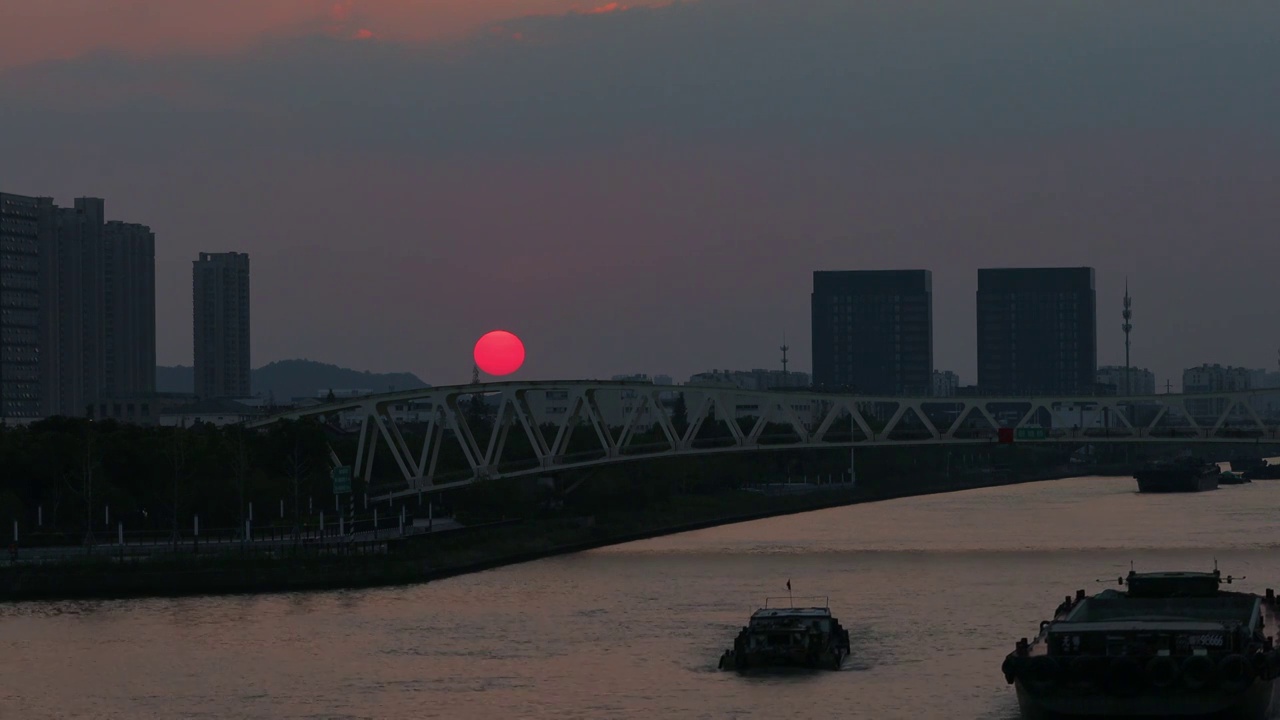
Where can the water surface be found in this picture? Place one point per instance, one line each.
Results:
(934, 590)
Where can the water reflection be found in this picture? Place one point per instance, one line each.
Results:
(934, 591)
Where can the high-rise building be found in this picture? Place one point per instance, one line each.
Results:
(873, 331)
(87, 289)
(128, 310)
(1037, 331)
(20, 386)
(73, 328)
(221, 319)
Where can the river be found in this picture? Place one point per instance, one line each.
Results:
(935, 590)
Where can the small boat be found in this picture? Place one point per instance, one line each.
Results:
(795, 636)
(1231, 477)
(1188, 474)
(1245, 464)
(1265, 471)
(1174, 645)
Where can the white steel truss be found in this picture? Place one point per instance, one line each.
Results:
(630, 420)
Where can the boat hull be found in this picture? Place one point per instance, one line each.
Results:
(1266, 472)
(1256, 702)
(831, 660)
(1169, 482)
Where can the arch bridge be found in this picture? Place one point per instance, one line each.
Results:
(444, 437)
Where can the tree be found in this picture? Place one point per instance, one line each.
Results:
(680, 414)
(240, 468)
(298, 469)
(87, 487)
(477, 413)
(178, 453)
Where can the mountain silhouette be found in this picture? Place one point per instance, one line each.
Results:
(287, 379)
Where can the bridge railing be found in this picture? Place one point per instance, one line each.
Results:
(449, 436)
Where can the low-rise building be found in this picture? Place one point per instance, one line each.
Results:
(945, 383)
(1213, 379)
(217, 412)
(756, 379)
(1140, 381)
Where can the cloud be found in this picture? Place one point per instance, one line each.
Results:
(722, 147)
(694, 71)
(341, 11)
(607, 8)
(60, 29)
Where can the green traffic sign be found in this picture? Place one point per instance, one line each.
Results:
(341, 480)
(1030, 433)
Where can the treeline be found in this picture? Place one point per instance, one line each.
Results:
(62, 477)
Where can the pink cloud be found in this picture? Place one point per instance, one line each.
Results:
(50, 29)
(341, 11)
(607, 8)
(363, 34)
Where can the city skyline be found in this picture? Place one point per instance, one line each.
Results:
(233, 381)
(637, 223)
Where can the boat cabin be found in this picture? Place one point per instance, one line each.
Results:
(783, 626)
(1169, 613)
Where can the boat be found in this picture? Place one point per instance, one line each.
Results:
(1245, 464)
(1173, 645)
(795, 636)
(1188, 474)
(1265, 471)
(1232, 478)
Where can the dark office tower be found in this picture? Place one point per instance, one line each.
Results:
(1037, 331)
(221, 309)
(20, 326)
(873, 331)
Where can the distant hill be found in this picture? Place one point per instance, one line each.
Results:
(176, 379)
(286, 379)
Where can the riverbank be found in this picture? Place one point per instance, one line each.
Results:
(437, 556)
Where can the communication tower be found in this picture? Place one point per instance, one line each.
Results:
(785, 347)
(1127, 314)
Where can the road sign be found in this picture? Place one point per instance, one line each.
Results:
(341, 479)
(1030, 433)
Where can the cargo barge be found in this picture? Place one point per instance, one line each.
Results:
(1188, 474)
(1174, 645)
(786, 636)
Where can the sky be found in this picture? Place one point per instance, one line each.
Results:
(649, 187)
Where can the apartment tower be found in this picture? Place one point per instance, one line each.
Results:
(221, 322)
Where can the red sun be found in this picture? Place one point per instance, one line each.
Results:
(499, 353)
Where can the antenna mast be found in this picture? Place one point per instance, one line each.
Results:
(1127, 314)
(785, 347)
